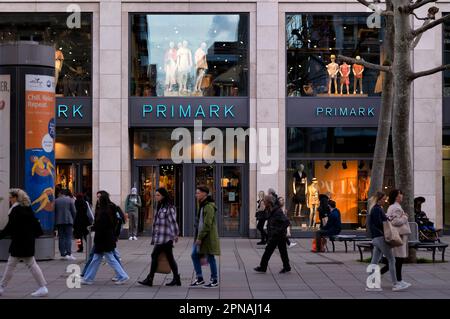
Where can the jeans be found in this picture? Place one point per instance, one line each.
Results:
(198, 266)
(65, 232)
(91, 256)
(380, 248)
(30, 262)
(398, 267)
(112, 262)
(273, 243)
(260, 227)
(167, 248)
(133, 218)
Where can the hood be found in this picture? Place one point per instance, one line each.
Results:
(134, 191)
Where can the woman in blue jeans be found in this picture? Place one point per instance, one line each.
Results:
(104, 242)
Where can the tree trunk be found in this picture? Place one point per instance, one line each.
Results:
(384, 121)
(401, 115)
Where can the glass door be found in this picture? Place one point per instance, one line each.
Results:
(147, 187)
(231, 200)
(170, 177)
(66, 176)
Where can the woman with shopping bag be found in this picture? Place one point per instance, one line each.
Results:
(165, 233)
(383, 238)
(400, 225)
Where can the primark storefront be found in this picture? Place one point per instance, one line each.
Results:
(134, 78)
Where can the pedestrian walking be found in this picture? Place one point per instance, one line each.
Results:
(132, 205)
(105, 239)
(24, 228)
(277, 225)
(165, 233)
(83, 219)
(65, 214)
(380, 247)
(261, 218)
(117, 229)
(399, 219)
(206, 245)
(289, 243)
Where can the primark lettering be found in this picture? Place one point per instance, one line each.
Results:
(345, 111)
(188, 111)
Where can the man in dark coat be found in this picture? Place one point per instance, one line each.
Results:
(277, 225)
(333, 226)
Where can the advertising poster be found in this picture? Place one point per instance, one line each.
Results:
(5, 94)
(40, 146)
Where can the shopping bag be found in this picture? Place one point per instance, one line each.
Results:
(163, 264)
(391, 235)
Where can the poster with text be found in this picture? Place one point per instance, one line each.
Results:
(40, 146)
(5, 102)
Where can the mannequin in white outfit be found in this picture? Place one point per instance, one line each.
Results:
(170, 65)
(201, 65)
(184, 65)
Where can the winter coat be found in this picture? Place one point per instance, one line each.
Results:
(64, 210)
(24, 228)
(104, 227)
(208, 234)
(277, 224)
(81, 221)
(399, 219)
(333, 225)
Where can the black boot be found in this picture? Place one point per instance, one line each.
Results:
(176, 281)
(147, 281)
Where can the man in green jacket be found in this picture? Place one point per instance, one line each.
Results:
(206, 243)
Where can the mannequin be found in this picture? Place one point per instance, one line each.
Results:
(333, 70)
(344, 71)
(313, 200)
(184, 65)
(170, 63)
(201, 65)
(300, 187)
(358, 70)
(59, 59)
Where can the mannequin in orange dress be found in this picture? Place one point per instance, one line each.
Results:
(358, 70)
(344, 71)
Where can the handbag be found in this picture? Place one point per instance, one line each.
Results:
(391, 235)
(163, 264)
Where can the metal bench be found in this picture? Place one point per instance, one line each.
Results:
(348, 238)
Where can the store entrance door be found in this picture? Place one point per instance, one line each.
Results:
(225, 185)
(75, 176)
(152, 177)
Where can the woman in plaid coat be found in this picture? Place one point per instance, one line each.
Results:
(165, 233)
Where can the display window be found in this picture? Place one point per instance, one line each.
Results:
(73, 46)
(313, 43)
(189, 55)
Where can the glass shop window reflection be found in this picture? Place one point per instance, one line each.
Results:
(189, 55)
(73, 47)
(313, 43)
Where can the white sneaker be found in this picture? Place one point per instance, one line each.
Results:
(85, 282)
(41, 292)
(374, 289)
(134, 238)
(399, 286)
(407, 284)
(121, 282)
(2, 290)
(70, 257)
(131, 238)
(292, 244)
(115, 279)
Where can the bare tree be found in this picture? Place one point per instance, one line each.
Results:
(399, 72)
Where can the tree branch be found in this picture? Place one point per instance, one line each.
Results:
(430, 25)
(365, 3)
(416, 75)
(418, 4)
(417, 39)
(369, 65)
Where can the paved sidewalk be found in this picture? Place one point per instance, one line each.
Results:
(326, 275)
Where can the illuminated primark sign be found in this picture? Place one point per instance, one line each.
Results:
(188, 111)
(345, 111)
